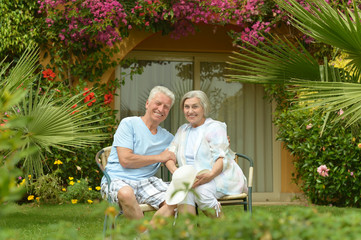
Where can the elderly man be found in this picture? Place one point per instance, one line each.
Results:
(138, 149)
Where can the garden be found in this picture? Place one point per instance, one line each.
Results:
(54, 117)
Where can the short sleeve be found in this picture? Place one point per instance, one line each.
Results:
(123, 137)
(216, 136)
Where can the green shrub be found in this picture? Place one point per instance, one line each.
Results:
(337, 149)
(296, 223)
(47, 188)
(79, 191)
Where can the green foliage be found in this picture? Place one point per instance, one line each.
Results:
(47, 188)
(304, 223)
(80, 191)
(278, 222)
(11, 141)
(79, 162)
(19, 27)
(337, 148)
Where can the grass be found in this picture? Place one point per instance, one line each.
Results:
(85, 221)
(35, 222)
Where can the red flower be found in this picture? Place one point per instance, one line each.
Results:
(49, 74)
(90, 99)
(74, 106)
(86, 92)
(91, 103)
(108, 98)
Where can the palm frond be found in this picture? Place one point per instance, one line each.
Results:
(341, 29)
(22, 74)
(274, 61)
(332, 96)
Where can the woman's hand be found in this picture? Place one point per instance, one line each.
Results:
(203, 178)
(171, 166)
(208, 176)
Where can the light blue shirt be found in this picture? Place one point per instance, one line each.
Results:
(132, 133)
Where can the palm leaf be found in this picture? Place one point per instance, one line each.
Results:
(53, 125)
(327, 25)
(274, 61)
(14, 80)
(22, 73)
(278, 61)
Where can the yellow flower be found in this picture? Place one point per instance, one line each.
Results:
(22, 182)
(78, 181)
(111, 211)
(31, 197)
(71, 178)
(71, 183)
(90, 189)
(29, 176)
(63, 189)
(58, 162)
(74, 201)
(98, 188)
(359, 145)
(37, 199)
(353, 139)
(90, 201)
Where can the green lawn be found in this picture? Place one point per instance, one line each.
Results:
(85, 221)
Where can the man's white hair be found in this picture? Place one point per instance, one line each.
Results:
(161, 89)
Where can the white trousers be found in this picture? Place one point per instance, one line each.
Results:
(207, 196)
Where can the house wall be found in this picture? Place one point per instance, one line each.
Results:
(287, 169)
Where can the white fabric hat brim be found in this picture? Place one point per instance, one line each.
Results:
(183, 176)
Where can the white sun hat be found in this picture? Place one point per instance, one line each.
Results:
(182, 181)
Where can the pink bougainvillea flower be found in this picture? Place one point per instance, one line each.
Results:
(49, 74)
(309, 126)
(323, 170)
(108, 98)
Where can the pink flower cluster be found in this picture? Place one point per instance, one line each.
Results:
(85, 21)
(198, 11)
(323, 170)
(90, 22)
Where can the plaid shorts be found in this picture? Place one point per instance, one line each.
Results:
(150, 191)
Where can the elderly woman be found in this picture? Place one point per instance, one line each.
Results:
(203, 143)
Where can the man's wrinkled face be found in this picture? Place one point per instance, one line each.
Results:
(158, 107)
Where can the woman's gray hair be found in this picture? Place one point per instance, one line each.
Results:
(161, 89)
(202, 98)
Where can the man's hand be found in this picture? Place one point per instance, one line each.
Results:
(167, 155)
